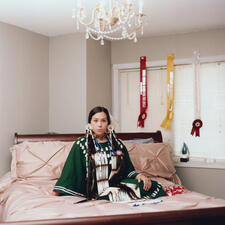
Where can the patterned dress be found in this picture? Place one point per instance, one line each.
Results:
(73, 178)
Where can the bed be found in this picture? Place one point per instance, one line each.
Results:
(37, 161)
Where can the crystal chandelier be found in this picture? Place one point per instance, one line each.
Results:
(118, 21)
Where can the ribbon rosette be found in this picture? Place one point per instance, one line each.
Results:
(141, 119)
(196, 125)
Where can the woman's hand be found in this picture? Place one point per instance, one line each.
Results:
(147, 182)
(55, 193)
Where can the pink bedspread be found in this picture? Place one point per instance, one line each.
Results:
(32, 200)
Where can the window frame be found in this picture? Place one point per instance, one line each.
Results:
(116, 68)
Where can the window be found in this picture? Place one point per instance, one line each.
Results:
(210, 146)
(211, 143)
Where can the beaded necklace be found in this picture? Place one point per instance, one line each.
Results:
(101, 162)
(99, 147)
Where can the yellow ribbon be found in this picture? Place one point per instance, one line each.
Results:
(170, 93)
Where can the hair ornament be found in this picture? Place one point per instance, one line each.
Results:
(89, 129)
(110, 128)
(110, 131)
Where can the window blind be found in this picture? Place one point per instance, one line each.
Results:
(211, 143)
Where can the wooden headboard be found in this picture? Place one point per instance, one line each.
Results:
(18, 138)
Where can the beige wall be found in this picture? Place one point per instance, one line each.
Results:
(206, 181)
(80, 78)
(23, 86)
(99, 82)
(67, 83)
(209, 43)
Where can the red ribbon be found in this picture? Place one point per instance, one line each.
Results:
(143, 92)
(196, 125)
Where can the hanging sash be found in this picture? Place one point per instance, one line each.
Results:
(170, 93)
(197, 123)
(143, 92)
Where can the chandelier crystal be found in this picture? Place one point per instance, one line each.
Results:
(118, 21)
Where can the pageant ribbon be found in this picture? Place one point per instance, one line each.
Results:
(197, 123)
(143, 92)
(170, 93)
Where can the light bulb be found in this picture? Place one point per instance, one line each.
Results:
(102, 42)
(87, 35)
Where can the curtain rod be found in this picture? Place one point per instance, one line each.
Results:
(165, 67)
(162, 63)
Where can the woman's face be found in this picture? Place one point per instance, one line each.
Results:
(99, 123)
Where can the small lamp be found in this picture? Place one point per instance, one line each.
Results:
(185, 153)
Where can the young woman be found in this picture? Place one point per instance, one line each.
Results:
(99, 167)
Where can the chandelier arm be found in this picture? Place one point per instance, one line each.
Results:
(129, 36)
(140, 23)
(114, 38)
(105, 32)
(110, 9)
(92, 18)
(120, 19)
(132, 35)
(116, 8)
(127, 18)
(95, 38)
(111, 13)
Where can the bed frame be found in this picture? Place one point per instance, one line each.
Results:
(18, 138)
(204, 216)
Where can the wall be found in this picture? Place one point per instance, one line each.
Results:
(23, 86)
(209, 43)
(79, 79)
(67, 83)
(206, 181)
(99, 85)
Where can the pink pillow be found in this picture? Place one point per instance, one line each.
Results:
(153, 159)
(39, 159)
(46, 159)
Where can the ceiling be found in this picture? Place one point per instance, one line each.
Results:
(163, 17)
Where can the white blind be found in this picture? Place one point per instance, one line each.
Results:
(211, 143)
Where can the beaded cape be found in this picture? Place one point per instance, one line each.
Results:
(73, 177)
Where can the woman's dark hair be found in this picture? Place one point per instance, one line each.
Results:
(99, 109)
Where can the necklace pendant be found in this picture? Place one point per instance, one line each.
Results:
(114, 162)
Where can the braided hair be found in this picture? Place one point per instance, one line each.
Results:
(91, 184)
